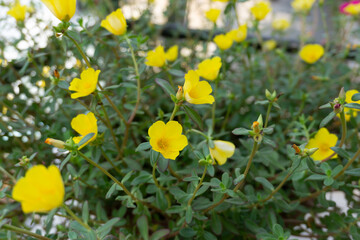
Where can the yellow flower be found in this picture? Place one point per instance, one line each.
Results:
(349, 112)
(222, 151)
(195, 91)
(18, 11)
(64, 10)
(86, 85)
(324, 141)
(46, 71)
(213, 14)
(269, 45)
(223, 41)
(84, 124)
(260, 10)
(239, 35)
(41, 84)
(115, 22)
(351, 8)
(41, 190)
(209, 68)
(310, 53)
(156, 58)
(280, 24)
(302, 5)
(167, 138)
(172, 53)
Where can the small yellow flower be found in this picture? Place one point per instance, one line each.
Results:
(222, 151)
(349, 112)
(18, 11)
(167, 139)
(351, 8)
(41, 84)
(64, 10)
(324, 141)
(172, 53)
(302, 5)
(209, 68)
(115, 22)
(156, 58)
(41, 190)
(213, 14)
(223, 41)
(46, 71)
(86, 85)
(269, 45)
(280, 24)
(239, 35)
(311, 53)
(260, 10)
(4, 110)
(195, 91)
(84, 124)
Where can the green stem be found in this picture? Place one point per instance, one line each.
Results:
(198, 186)
(214, 103)
(23, 231)
(72, 214)
(154, 174)
(110, 127)
(176, 108)
(3, 170)
(200, 133)
(268, 114)
(79, 49)
(109, 161)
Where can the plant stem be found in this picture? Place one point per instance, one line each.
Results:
(198, 186)
(79, 49)
(214, 103)
(268, 114)
(154, 176)
(174, 173)
(3, 170)
(109, 161)
(110, 127)
(176, 108)
(73, 215)
(23, 231)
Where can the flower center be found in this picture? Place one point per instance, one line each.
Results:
(87, 85)
(162, 144)
(324, 147)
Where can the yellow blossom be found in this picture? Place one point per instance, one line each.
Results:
(311, 53)
(302, 5)
(269, 45)
(115, 22)
(222, 151)
(41, 84)
(41, 190)
(260, 10)
(349, 112)
(167, 139)
(84, 124)
(213, 14)
(4, 110)
(351, 8)
(172, 53)
(156, 58)
(280, 24)
(223, 41)
(209, 68)
(64, 10)
(195, 91)
(46, 71)
(239, 35)
(18, 11)
(86, 84)
(324, 141)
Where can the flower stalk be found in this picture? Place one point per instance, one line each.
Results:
(23, 231)
(198, 186)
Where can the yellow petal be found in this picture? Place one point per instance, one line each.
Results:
(156, 130)
(62, 9)
(172, 53)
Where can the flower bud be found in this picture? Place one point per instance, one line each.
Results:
(180, 93)
(342, 95)
(56, 74)
(56, 143)
(338, 108)
(310, 151)
(297, 149)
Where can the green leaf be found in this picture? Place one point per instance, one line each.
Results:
(312, 167)
(143, 146)
(187, 232)
(163, 164)
(327, 105)
(142, 224)
(161, 200)
(111, 191)
(341, 152)
(328, 181)
(106, 228)
(194, 116)
(165, 85)
(160, 234)
(66, 160)
(327, 119)
(355, 97)
(188, 214)
(353, 172)
(85, 139)
(64, 85)
(216, 226)
(85, 212)
(353, 105)
(265, 183)
(241, 131)
(176, 73)
(316, 177)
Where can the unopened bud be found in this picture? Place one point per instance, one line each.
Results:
(258, 138)
(297, 149)
(56, 143)
(56, 74)
(310, 151)
(342, 95)
(180, 93)
(260, 120)
(337, 108)
(267, 94)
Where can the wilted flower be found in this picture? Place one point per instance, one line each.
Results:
(86, 85)
(209, 68)
(195, 91)
(115, 23)
(324, 141)
(167, 139)
(260, 10)
(41, 190)
(222, 151)
(280, 24)
(18, 11)
(238, 35)
(223, 41)
(302, 5)
(64, 10)
(172, 53)
(156, 58)
(84, 124)
(350, 8)
(311, 53)
(213, 14)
